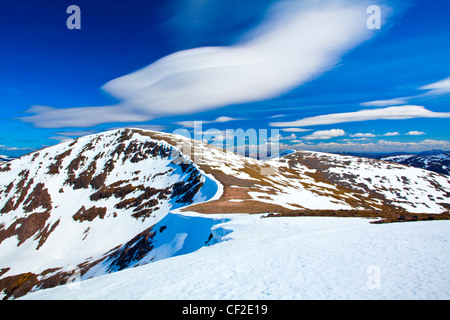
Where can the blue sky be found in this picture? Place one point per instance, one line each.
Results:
(311, 69)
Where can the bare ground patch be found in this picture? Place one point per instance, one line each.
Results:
(386, 217)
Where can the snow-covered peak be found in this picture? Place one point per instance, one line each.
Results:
(73, 203)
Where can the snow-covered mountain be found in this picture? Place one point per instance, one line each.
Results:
(437, 162)
(315, 180)
(110, 201)
(90, 201)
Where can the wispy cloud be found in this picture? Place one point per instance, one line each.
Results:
(295, 129)
(390, 113)
(433, 89)
(15, 148)
(297, 43)
(60, 138)
(75, 133)
(48, 117)
(439, 86)
(384, 103)
(192, 123)
(277, 116)
(289, 49)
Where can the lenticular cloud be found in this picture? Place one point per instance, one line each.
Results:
(282, 55)
(298, 43)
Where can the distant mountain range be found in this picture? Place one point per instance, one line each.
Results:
(4, 159)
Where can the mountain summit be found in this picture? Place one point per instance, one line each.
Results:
(77, 203)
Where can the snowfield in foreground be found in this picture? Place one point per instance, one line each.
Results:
(289, 258)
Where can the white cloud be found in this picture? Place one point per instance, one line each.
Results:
(278, 137)
(325, 134)
(193, 123)
(275, 138)
(433, 89)
(75, 133)
(363, 135)
(294, 130)
(391, 134)
(439, 87)
(225, 119)
(300, 41)
(390, 113)
(14, 148)
(188, 123)
(284, 53)
(48, 117)
(60, 138)
(355, 139)
(384, 103)
(292, 136)
(415, 133)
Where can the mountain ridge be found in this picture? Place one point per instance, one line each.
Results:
(437, 161)
(110, 201)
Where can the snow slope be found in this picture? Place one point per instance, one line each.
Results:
(374, 183)
(290, 258)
